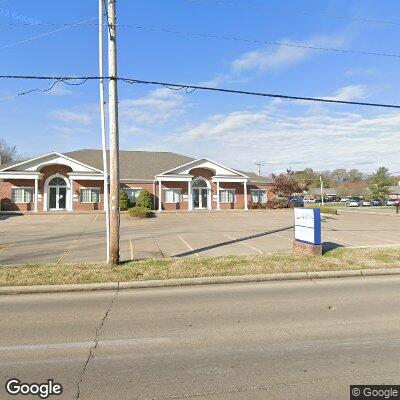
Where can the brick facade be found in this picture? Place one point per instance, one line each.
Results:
(77, 205)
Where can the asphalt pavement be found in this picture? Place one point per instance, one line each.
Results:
(276, 340)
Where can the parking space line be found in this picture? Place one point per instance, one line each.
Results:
(244, 244)
(188, 246)
(131, 247)
(6, 247)
(181, 216)
(76, 239)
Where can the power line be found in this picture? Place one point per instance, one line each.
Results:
(311, 14)
(223, 37)
(46, 33)
(190, 88)
(257, 41)
(57, 81)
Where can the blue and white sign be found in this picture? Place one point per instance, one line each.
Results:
(307, 225)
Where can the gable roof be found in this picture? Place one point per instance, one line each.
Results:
(133, 164)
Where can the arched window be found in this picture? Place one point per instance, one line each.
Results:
(199, 183)
(57, 181)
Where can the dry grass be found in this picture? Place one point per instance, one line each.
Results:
(338, 259)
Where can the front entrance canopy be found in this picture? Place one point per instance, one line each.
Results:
(199, 188)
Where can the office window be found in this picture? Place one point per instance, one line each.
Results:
(90, 195)
(22, 195)
(258, 196)
(172, 195)
(227, 196)
(133, 194)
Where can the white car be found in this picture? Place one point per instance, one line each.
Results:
(366, 203)
(390, 202)
(309, 200)
(354, 202)
(344, 199)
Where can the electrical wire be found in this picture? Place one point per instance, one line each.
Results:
(191, 88)
(257, 41)
(46, 34)
(221, 37)
(57, 81)
(311, 14)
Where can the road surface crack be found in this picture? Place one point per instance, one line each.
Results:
(95, 345)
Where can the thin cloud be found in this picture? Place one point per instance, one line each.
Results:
(271, 59)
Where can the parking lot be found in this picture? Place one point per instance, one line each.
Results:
(68, 238)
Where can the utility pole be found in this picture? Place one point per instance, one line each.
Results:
(114, 134)
(103, 128)
(322, 189)
(259, 165)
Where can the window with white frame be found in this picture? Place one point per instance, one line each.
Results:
(90, 195)
(22, 195)
(258, 195)
(133, 194)
(227, 196)
(172, 195)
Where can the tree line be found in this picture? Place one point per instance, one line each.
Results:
(347, 182)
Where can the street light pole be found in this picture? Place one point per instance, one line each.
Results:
(114, 134)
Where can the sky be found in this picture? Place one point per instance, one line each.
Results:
(236, 130)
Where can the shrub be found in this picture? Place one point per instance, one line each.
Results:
(281, 202)
(140, 212)
(124, 203)
(328, 210)
(271, 204)
(144, 200)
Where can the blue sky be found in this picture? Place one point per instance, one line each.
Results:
(236, 130)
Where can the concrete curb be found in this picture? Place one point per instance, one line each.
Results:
(12, 290)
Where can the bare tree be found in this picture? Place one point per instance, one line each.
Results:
(8, 153)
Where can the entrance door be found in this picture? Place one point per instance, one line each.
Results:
(57, 194)
(200, 198)
(196, 198)
(62, 197)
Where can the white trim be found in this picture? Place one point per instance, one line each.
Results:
(35, 195)
(205, 159)
(218, 202)
(226, 179)
(209, 193)
(23, 187)
(47, 155)
(174, 178)
(246, 207)
(21, 175)
(46, 189)
(173, 189)
(234, 195)
(89, 202)
(85, 177)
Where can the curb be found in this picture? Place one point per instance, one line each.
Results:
(13, 290)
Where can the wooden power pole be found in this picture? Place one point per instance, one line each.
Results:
(114, 134)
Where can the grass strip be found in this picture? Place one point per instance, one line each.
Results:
(334, 260)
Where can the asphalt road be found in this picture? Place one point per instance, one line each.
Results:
(282, 340)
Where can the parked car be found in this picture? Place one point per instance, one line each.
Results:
(344, 199)
(332, 199)
(309, 200)
(354, 202)
(366, 203)
(390, 202)
(377, 202)
(295, 201)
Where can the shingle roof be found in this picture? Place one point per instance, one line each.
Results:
(141, 164)
(133, 164)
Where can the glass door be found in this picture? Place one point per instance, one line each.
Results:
(53, 198)
(62, 195)
(196, 198)
(203, 198)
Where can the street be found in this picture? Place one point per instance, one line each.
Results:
(281, 340)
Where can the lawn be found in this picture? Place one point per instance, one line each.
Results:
(334, 260)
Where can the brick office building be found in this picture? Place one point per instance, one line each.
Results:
(74, 182)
